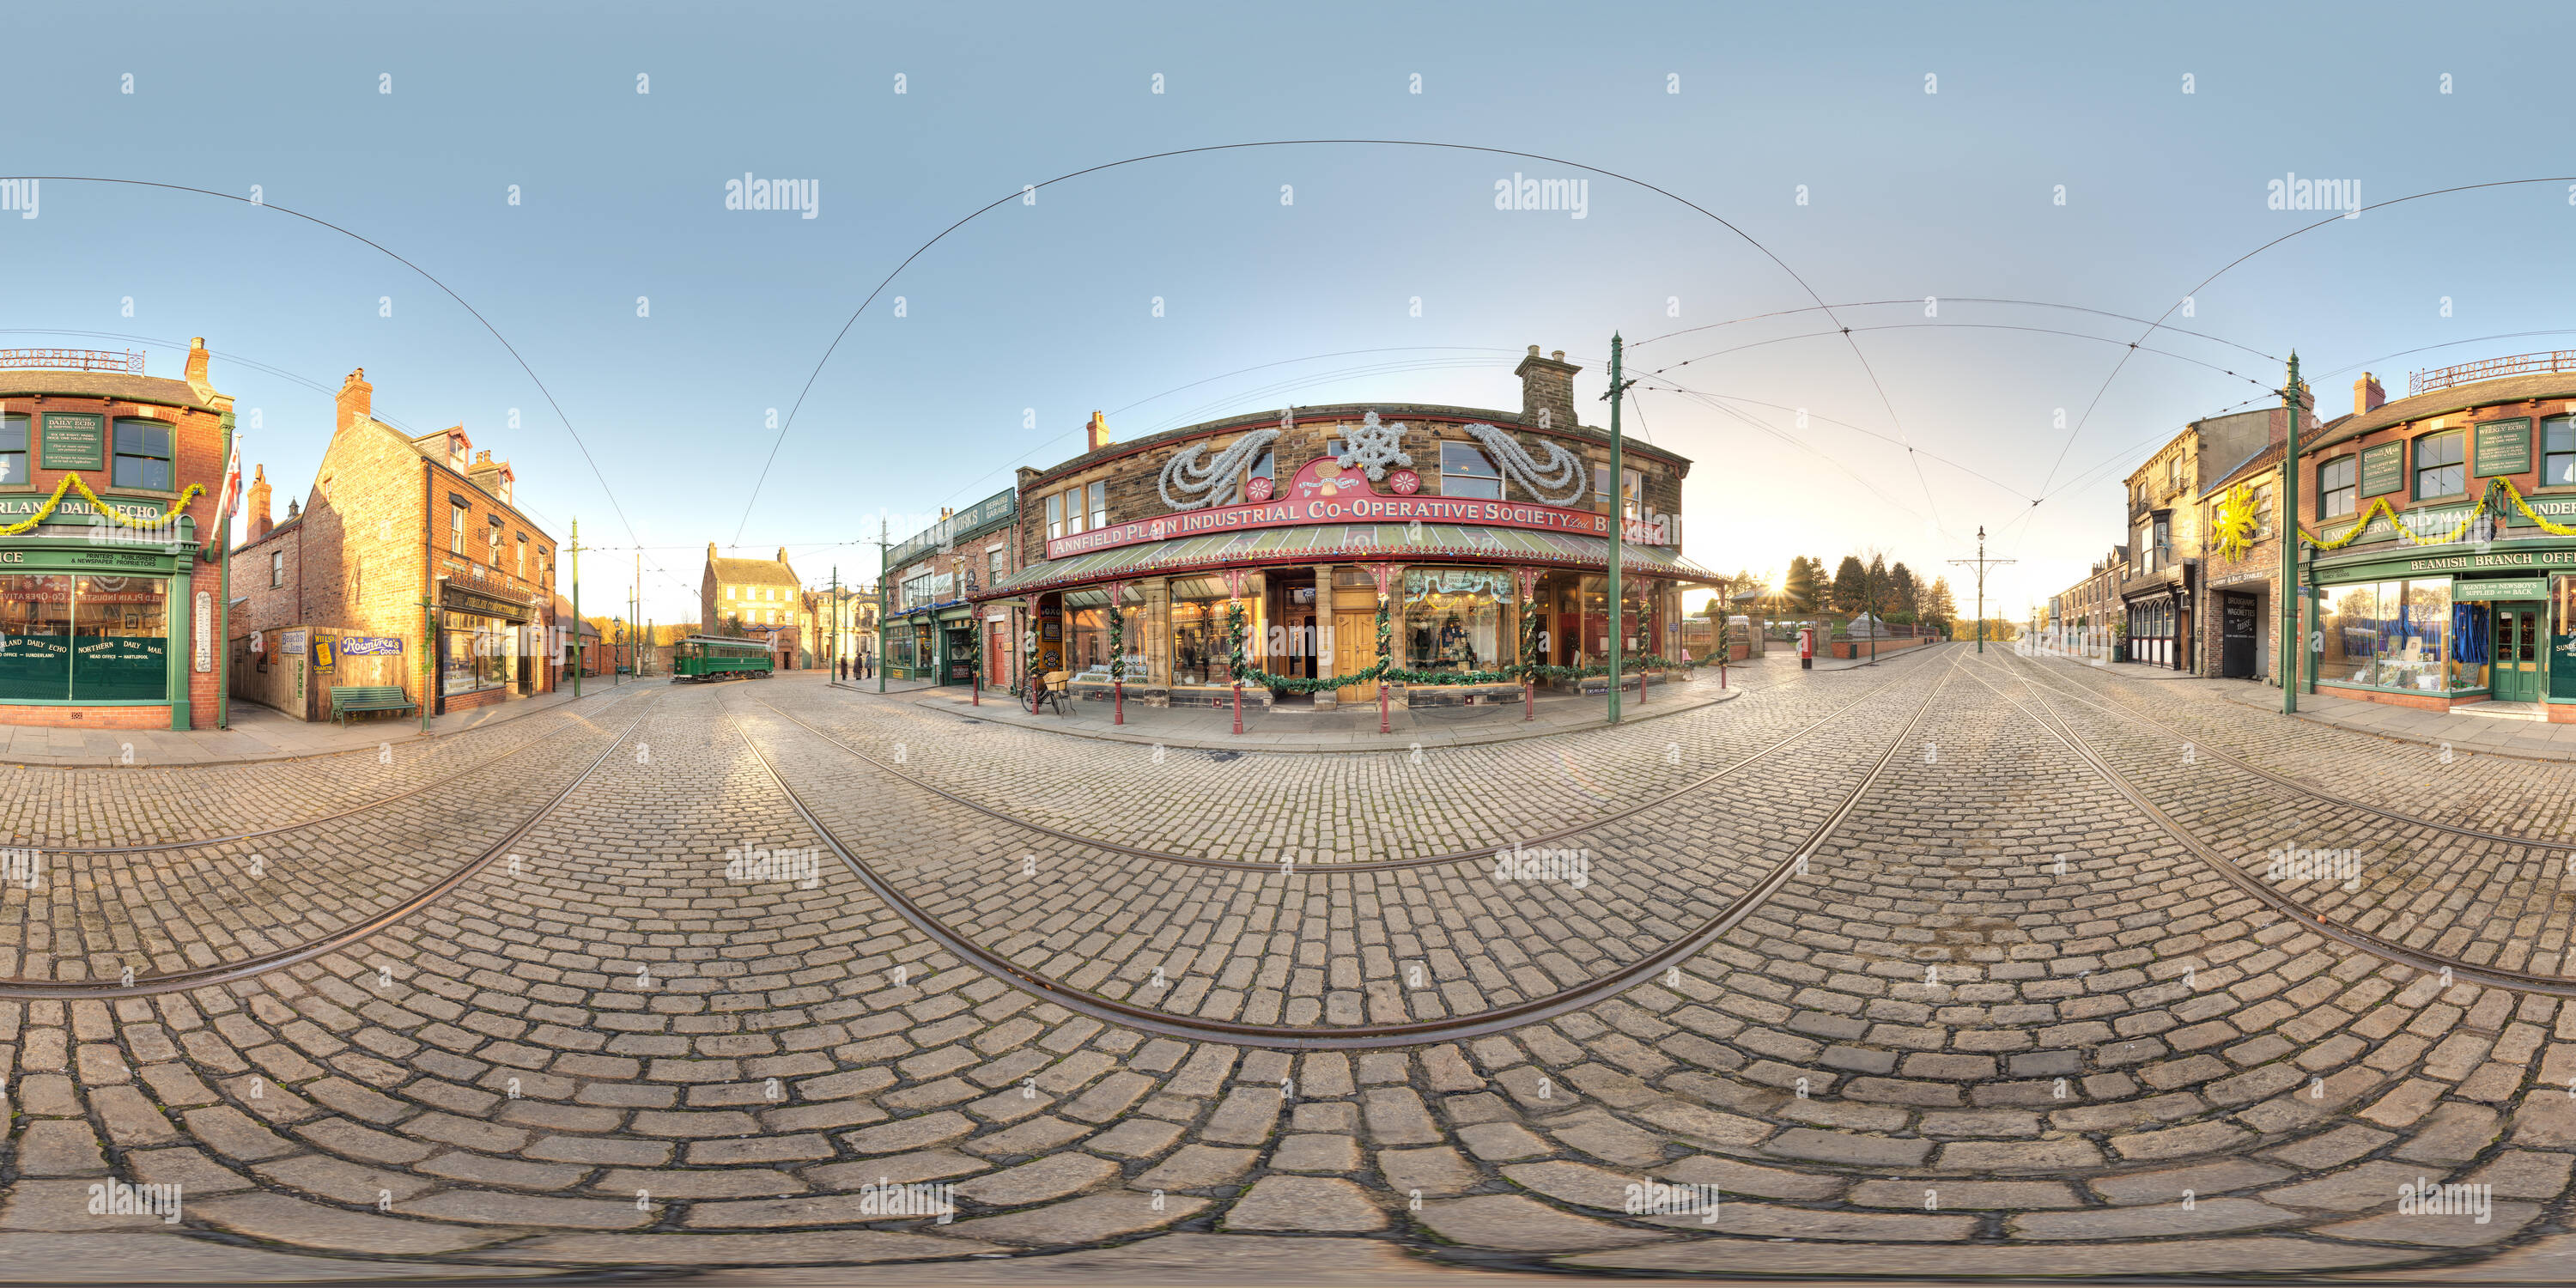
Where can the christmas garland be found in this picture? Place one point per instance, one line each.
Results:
(69, 481)
(2381, 507)
(1117, 638)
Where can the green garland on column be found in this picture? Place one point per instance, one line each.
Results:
(1234, 642)
(1117, 638)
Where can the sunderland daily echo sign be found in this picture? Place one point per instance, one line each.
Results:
(1324, 492)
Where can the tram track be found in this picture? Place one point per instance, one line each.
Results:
(1477, 1024)
(2289, 782)
(316, 820)
(146, 985)
(2045, 716)
(1479, 853)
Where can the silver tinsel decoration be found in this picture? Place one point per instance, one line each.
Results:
(1220, 482)
(1563, 470)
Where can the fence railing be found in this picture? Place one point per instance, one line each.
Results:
(2489, 368)
(129, 362)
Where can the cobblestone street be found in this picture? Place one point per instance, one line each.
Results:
(1962, 964)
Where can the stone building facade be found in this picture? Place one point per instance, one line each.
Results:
(410, 560)
(104, 625)
(1465, 518)
(759, 598)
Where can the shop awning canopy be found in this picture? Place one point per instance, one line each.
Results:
(1350, 543)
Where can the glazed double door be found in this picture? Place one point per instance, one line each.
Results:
(2514, 670)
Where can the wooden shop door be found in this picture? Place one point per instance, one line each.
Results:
(1355, 649)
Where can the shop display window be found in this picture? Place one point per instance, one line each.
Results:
(1453, 619)
(84, 639)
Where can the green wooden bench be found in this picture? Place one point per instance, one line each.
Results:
(350, 698)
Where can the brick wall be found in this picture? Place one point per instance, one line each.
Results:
(197, 457)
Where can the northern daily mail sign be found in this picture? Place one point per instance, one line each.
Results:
(1322, 493)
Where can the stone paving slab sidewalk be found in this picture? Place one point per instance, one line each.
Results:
(1355, 728)
(2526, 738)
(259, 733)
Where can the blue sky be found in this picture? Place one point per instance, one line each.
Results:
(1042, 313)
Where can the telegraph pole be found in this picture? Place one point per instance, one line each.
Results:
(1981, 562)
(1618, 526)
(577, 658)
(2296, 605)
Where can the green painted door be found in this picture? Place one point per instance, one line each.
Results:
(2515, 674)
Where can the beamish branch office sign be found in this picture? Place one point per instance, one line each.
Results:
(1323, 492)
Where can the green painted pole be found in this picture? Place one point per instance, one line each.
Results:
(577, 659)
(1618, 529)
(881, 605)
(428, 654)
(2294, 641)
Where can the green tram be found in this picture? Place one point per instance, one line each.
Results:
(716, 657)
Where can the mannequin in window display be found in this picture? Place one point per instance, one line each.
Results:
(1454, 648)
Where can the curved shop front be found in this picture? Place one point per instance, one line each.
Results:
(1463, 600)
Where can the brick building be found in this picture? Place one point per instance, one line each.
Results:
(840, 627)
(110, 620)
(410, 561)
(931, 626)
(1473, 517)
(2438, 581)
(759, 598)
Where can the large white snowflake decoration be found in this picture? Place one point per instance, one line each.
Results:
(1564, 470)
(1219, 480)
(1374, 447)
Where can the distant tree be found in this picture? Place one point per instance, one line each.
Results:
(1851, 585)
(1798, 588)
(1908, 594)
(1938, 606)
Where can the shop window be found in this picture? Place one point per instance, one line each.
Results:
(2557, 451)
(83, 639)
(2337, 486)
(477, 653)
(1627, 490)
(13, 451)
(2438, 468)
(142, 455)
(1453, 619)
(1464, 471)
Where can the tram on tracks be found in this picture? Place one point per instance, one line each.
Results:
(717, 657)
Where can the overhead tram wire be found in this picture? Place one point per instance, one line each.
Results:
(1960, 299)
(2230, 266)
(790, 421)
(486, 323)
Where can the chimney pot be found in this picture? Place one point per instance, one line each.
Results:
(1547, 390)
(356, 401)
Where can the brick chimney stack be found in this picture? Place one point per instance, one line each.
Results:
(197, 364)
(1098, 431)
(259, 502)
(1547, 390)
(2367, 395)
(357, 400)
